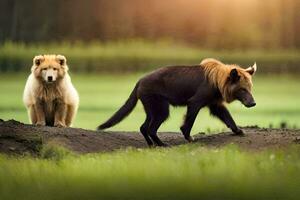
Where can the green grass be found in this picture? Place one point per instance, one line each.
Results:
(277, 100)
(140, 55)
(185, 172)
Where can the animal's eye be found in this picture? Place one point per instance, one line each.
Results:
(54, 69)
(243, 90)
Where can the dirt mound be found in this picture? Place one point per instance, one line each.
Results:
(19, 138)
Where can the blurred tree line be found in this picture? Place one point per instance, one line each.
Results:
(205, 23)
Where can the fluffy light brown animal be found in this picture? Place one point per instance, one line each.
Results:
(49, 94)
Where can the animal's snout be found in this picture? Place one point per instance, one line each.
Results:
(50, 78)
(251, 104)
(247, 99)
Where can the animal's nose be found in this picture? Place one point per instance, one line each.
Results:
(252, 104)
(50, 78)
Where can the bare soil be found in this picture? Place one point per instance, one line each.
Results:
(21, 139)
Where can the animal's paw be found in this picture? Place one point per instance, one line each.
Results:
(40, 123)
(238, 132)
(189, 138)
(163, 145)
(59, 124)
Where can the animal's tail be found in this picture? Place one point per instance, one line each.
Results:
(123, 112)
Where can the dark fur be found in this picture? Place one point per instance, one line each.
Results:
(178, 86)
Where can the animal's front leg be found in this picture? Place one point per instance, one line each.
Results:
(71, 112)
(32, 114)
(192, 112)
(220, 111)
(38, 110)
(60, 114)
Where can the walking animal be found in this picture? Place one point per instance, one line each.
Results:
(210, 84)
(49, 94)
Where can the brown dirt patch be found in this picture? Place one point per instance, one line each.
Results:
(18, 138)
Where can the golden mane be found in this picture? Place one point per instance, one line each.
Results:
(217, 74)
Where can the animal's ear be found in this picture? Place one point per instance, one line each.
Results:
(37, 60)
(61, 59)
(251, 70)
(234, 75)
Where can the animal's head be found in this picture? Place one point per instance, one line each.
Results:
(239, 85)
(49, 68)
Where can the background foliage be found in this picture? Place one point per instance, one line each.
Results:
(210, 24)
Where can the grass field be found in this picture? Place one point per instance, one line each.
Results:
(277, 100)
(185, 172)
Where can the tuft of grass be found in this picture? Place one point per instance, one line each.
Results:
(54, 151)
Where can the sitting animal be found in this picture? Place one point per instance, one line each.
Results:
(210, 84)
(49, 94)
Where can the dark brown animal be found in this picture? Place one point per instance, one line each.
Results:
(211, 84)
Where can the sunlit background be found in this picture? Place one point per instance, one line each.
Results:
(217, 24)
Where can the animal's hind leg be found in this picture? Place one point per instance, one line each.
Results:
(144, 130)
(158, 108)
